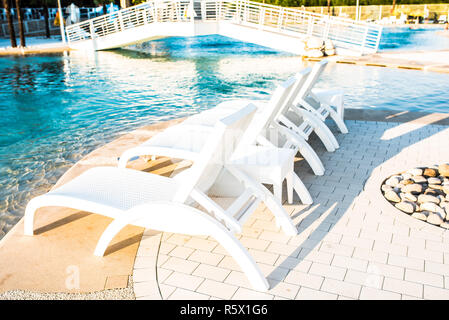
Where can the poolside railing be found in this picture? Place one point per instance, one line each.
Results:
(346, 33)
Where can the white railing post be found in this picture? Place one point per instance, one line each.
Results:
(220, 4)
(261, 17)
(362, 48)
(310, 26)
(120, 20)
(92, 30)
(280, 18)
(144, 16)
(203, 10)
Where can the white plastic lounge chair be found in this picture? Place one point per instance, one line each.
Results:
(171, 142)
(161, 203)
(294, 134)
(322, 101)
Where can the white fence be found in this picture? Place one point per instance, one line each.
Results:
(346, 33)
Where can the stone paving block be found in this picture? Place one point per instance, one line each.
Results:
(293, 263)
(180, 265)
(181, 252)
(283, 289)
(404, 287)
(368, 293)
(247, 294)
(357, 242)
(166, 290)
(185, 281)
(312, 294)
(304, 279)
(428, 278)
(386, 270)
(178, 239)
(406, 262)
(162, 274)
(281, 248)
(327, 271)
(145, 262)
(211, 272)
(337, 249)
(201, 244)
(316, 256)
(165, 247)
(433, 293)
(368, 278)
(182, 294)
(425, 254)
(341, 288)
(263, 256)
(206, 257)
(349, 263)
(390, 248)
(217, 289)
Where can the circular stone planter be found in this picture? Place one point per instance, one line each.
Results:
(421, 192)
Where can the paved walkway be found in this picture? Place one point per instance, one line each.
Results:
(351, 244)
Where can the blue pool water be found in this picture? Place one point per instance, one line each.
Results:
(412, 37)
(56, 109)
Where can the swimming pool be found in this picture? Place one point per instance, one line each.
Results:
(412, 37)
(56, 109)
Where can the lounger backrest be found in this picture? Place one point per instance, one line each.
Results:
(300, 79)
(217, 151)
(265, 115)
(317, 70)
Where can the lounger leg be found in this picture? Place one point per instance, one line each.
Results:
(337, 118)
(211, 228)
(29, 216)
(277, 190)
(289, 180)
(310, 156)
(301, 190)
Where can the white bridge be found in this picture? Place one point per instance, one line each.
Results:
(271, 26)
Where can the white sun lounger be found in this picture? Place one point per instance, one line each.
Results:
(161, 203)
(170, 143)
(322, 101)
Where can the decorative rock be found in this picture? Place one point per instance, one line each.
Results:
(419, 179)
(406, 206)
(408, 196)
(414, 188)
(406, 176)
(435, 218)
(430, 172)
(422, 198)
(385, 188)
(406, 182)
(433, 181)
(444, 169)
(415, 172)
(421, 215)
(432, 192)
(445, 189)
(392, 196)
(393, 181)
(435, 186)
(430, 206)
(445, 225)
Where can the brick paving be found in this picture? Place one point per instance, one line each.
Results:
(351, 243)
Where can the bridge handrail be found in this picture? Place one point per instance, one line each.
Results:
(345, 32)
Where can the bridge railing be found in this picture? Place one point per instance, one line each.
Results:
(345, 33)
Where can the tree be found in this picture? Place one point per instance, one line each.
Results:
(19, 18)
(12, 34)
(47, 25)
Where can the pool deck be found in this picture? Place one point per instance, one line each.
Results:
(35, 45)
(435, 61)
(352, 244)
